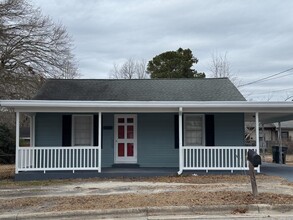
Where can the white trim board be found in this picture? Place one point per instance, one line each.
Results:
(145, 106)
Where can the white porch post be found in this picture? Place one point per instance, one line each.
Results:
(100, 142)
(180, 143)
(263, 143)
(16, 142)
(32, 130)
(257, 135)
(33, 138)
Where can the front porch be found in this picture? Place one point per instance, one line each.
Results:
(185, 136)
(88, 160)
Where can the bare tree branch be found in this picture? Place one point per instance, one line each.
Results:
(131, 69)
(220, 67)
(32, 48)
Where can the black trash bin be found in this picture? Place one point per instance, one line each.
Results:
(276, 154)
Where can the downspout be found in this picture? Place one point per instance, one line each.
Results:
(180, 142)
(100, 143)
(263, 144)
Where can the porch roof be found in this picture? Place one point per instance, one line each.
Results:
(146, 106)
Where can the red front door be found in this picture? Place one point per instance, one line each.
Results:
(125, 139)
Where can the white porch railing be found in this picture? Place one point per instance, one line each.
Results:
(58, 158)
(215, 158)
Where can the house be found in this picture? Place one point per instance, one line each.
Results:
(86, 125)
(269, 134)
(286, 131)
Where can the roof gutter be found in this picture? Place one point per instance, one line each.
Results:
(237, 106)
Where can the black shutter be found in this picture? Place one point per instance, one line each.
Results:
(96, 131)
(210, 130)
(176, 131)
(66, 130)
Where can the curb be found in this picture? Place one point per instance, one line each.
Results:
(156, 211)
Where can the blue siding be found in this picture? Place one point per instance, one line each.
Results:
(48, 129)
(229, 129)
(155, 140)
(155, 135)
(108, 140)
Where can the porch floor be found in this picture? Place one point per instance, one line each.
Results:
(111, 173)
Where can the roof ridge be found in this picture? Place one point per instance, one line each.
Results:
(157, 79)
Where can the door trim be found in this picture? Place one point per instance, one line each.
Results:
(125, 159)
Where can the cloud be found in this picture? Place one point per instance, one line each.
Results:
(256, 34)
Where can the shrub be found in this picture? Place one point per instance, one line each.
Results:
(7, 145)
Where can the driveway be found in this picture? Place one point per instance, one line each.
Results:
(280, 170)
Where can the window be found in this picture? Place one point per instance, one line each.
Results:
(82, 130)
(194, 130)
(285, 135)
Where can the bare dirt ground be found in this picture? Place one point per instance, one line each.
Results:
(89, 194)
(6, 171)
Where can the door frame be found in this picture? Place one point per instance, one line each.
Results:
(125, 159)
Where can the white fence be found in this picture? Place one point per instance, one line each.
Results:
(215, 158)
(58, 158)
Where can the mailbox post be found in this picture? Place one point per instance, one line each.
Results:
(254, 160)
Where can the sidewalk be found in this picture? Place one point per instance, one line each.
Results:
(177, 212)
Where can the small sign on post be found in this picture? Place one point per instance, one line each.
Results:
(254, 161)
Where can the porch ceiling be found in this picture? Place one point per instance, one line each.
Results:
(266, 118)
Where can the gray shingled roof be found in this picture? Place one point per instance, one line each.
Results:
(220, 89)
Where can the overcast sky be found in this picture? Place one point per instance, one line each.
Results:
(256, 34)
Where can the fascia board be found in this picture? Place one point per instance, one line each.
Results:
(212, 106)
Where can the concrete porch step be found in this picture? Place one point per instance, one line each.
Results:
(125, 165)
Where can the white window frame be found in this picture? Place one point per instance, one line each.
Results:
(203, 128)
(73, 124)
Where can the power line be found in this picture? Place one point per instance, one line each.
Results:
(279, 90)
(267, 78)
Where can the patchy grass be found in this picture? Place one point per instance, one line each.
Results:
(7, 179)
(200, 179)
(7, 171)
(184, 198)
(207, 179)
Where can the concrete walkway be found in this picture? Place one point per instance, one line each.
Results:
(281, 170)
(173, 212)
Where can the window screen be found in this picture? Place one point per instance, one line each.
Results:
(193, 130)
(82, 133)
